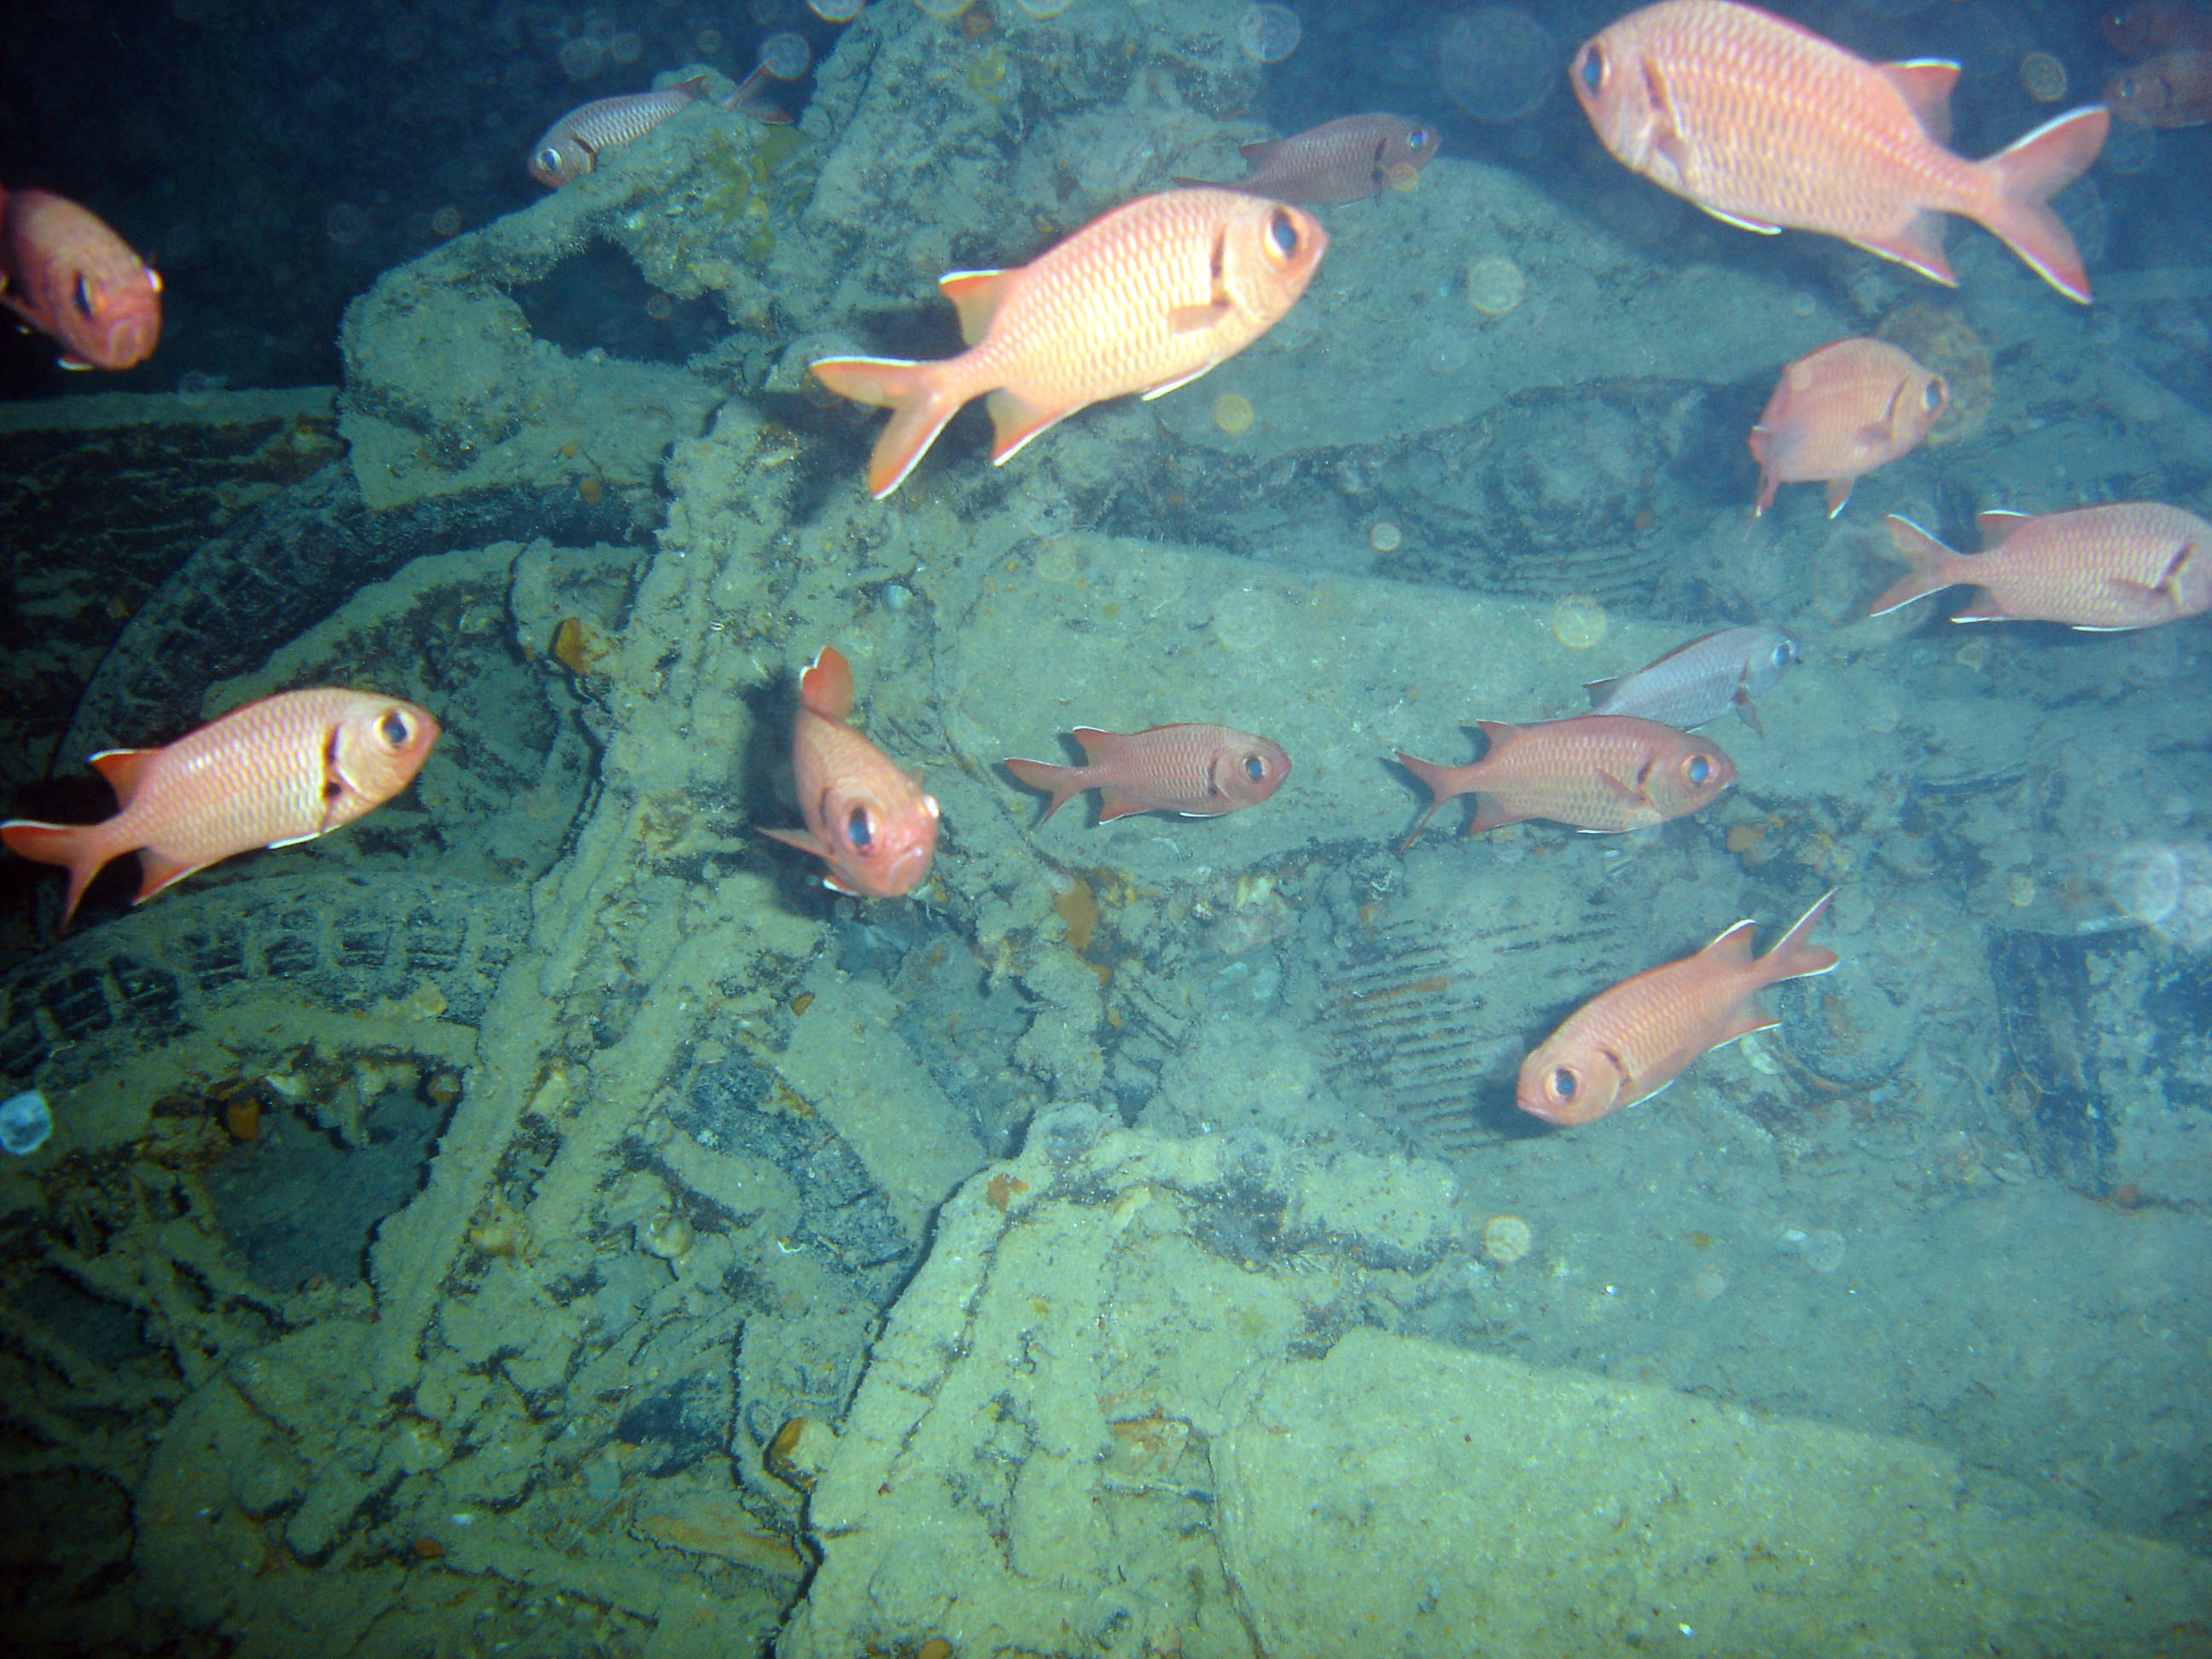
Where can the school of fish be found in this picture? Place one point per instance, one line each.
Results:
(1754, 119)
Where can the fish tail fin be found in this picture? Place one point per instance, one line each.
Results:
(1062, 783)
(1792, 957)
(2028, 173)
(1441, 789)
(916, 394)
(72, 846)
(1933, 567)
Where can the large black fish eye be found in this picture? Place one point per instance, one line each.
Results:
(1418, 138)
(860, 829)
(549, 158)
(1283, 232)
(1564, 1083)
(395, 729)
(2125, 86)
(1785, 653)
(83, 295)
(1255, 769)
(1592, 69)
(1700, 768)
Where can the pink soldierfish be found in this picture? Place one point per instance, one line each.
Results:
(1343, 160)
(2105, 570)
(1200, 771)
(285, 770)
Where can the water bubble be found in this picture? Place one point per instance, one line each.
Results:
(1495, 286)
(836, 11)
(446, 222)
(25, 1123)
(582, 57)
(1579, 622)
(1498, 63)
(345, 224)
(1269, 32)
(625, 47)
(786, 55)
(1384, 537)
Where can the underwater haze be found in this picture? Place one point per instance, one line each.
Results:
(1120, 828)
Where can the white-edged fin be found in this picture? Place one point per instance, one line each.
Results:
(1166, 386)
(1742, 223)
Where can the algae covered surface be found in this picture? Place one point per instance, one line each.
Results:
(544, 1220)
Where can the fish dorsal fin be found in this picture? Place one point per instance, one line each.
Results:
(826, 686)
(1600, 690)
(1995, 525)
(696, 86)
(975, 294)
(124, 769)
(1255, 154)
(1734, 946)
(1099, 747)
(1925, 85)
(1497, 730)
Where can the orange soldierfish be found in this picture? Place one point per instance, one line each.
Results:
(285, 770)
(1767, 125)
(1145, 299)
(1626, 1044)
(2102, 569)
(1597, 772)
(866, 818)
(1200, 771)
(1841, 411)
(2173, 90)
(67, 274)
(1342, 161)
(570, 148)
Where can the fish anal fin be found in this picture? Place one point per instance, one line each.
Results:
(1015, 420)
(124, 769)
(158, 870)
(1840, 491)
(1925, 85)
(1918, 246)
(1744, 1021)
(1742, 223)
(975, 294)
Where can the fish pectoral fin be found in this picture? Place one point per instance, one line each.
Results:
(804, 840)
(1742, 223)
(1166, 386)
(1622, 789)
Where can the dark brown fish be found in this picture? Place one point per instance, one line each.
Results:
(1342, 161)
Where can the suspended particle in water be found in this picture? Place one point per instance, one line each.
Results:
(1043, 8)
(2043, 76)
(709, 42)
(1507, 1239)
(836, 11)
(625, 47)
(1578, 622)
(786, 56)
(582, 57)
(769, 13)
(1232, 413)
(1495, 286)
(1385, 537)
(1268, 32)
(661, 307)
(25, 1123)
(345, 225)
(1498, 63)
(943, 8)
(446, 222)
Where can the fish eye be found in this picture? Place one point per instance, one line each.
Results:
(1255, 769)
(1592, 69)
(860, 829)
(2125, 86)
(1937, 395)
(395, 728)
(1562, 1083)
(549, 158)
(83, 295)
(1700, 768)
(1282, 232)
(1785, 653)
(1418, 138)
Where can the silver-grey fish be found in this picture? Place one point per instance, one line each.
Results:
(1694, 684)
(571, 146)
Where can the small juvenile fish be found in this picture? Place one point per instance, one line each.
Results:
(1766, 125)
(1697, 682)
(570, 147)
(2173, 90)
(2143, 28)
(1200, 771)
(1346, 160)
(1840, 412)
(866, 818)
(1597, 772)
(2102, 569)
(1146, 298)
(287, 768)
(65, 272)
(1626, 1044)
